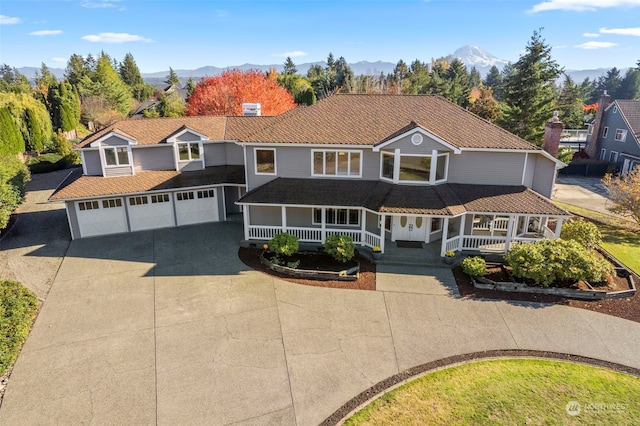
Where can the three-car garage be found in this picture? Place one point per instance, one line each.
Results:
(138, 212)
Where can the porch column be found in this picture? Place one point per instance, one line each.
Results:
(463, 223)
(245, 216)
(383, 232)
(445, 236)
(558, 227)
(507, 243)
(323, 225)
(363, 228)
(283, 212)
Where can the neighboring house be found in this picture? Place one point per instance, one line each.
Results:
(379, 168)
(614, 134)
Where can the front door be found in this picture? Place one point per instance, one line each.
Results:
(410, 228)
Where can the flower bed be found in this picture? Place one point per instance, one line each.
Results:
(311, 265)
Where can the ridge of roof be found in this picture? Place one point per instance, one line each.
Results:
(630, 112)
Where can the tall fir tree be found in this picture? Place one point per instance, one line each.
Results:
(129, 71)
(11, 140)
(172, 78)
(529, 97)
(570, 105)
(289, 67)
(33, 137)
(630, 85)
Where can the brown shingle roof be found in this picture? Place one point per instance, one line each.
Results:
(630, 110)
(442, 200)
(369, 119)
(77, 186)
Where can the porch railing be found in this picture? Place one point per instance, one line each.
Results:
(313, 235)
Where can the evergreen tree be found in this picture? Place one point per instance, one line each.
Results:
(129, 71)
(300, 88)
(289, 67)
(570, 105)
(610, 82)
(494, 81)
(172, 78)
(529, 91)
(344, 75)
(630, 85)
(33, 137)
(171, 105)
(399, 80)
(474, 77)
(331, 62)
(419, 77)
(12, 81)
(44, 76)
(11, 140)
(107, 83)
(190, 86)
(75, 70)
(458, 79)
(64, 107)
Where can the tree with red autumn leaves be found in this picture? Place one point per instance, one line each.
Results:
(224, 94)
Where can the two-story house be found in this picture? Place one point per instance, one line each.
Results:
(614, 134)
(379, 168)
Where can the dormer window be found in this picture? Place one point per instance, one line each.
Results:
(188, 151)
(118, 156)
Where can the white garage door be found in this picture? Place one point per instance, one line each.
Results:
(101, 217)
(150, 211)
(197, 206)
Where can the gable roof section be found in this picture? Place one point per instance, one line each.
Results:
(352, 119)
(630, 111)
(440, 200)
(76, 186)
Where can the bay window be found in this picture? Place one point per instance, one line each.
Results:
(428, 169)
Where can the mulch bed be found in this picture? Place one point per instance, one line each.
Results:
(627, 308)
(366, 279)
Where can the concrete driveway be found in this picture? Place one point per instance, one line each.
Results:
(169, 327)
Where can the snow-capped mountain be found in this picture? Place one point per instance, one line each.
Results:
(473, 56)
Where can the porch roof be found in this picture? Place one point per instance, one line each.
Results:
(383, 197)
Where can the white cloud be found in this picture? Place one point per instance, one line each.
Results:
(622, 31)
(590, 35)
(593, 45)
(294, 54)
(46, 32)
(9, 20)
(115, 38)
(58, 59)
(582, 5)
(100, 4)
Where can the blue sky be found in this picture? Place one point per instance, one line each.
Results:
(584, 34)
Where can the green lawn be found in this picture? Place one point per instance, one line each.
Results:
(18, 307)
(512, 391)
(620, 238)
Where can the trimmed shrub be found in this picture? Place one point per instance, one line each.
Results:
(18, 307)
(474, 266)
(549, 261)
(586, 233)
(284, 244)
(13, 178)
(340, 247)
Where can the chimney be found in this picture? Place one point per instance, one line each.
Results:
(594, 143)
(552, 133)
(252, 110)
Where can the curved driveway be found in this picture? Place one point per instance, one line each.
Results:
(169, 327)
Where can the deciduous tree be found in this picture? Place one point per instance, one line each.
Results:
(224, 94)
(624, 194)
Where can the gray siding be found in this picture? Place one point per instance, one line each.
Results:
(215, 154)
(530, 170)
(187, 137)
(231, 195)
(92, 163)
(299, 216)
(489, 168)
(405, 146)
(265, 215)
(370, 165)
(114, 141)
(235, 155)
(160, 158)
(190, 166)
(117, 171)
(629, 146)
(73, 219)
(545, 175)
(372, 223)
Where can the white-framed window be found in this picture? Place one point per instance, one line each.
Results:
(88, 205)
(427, 169)
(159, 198)
(111, 203)
(138, 200)
(605, 132)
(206, 193)
(436, 224)
(615, 109)
(337, 217)
(336, 163)
(116, 156)
(265, 161)
(621, 135)
(603, 154)
(184, 196)
(613, 156)
(188, 151)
